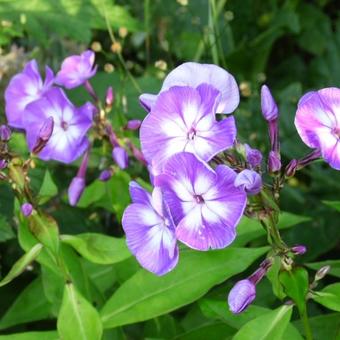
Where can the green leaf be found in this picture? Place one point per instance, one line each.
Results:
(45, 229)
(78, 319)
(98, 248)
(335, 266)
(273, 277)
(218, 309)
(270, 326)
(249, 229)
(146, 295)
(20, 265)
(30, 305)
(48, 189)
(295, 283)
(47, 335)
(329, 297)
(6, 231)
(333, 204)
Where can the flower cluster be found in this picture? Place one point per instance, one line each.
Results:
(192, 202)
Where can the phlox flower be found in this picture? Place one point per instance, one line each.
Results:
(76, 69)
(23, 89)
(150, 231)
(68, 140)
(193, 74)
(317, 121)
(205, 204)
(183, 119)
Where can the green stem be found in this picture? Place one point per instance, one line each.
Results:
(306, 325)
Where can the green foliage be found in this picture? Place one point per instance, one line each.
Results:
(78, 319)
(329, 297)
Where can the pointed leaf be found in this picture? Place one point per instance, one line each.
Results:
(48, 189)
(78, 319)
(98, 248)
(47, 335)
(270, 326)
(146, 295)
(21, 264)
(329, 297)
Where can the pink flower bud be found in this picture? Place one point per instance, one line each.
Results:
(110, 97)
(241, 296)
(121, 157)
(269, 108)
(299, 250)
(250, 181)
(5, 133)
(105, 175)
(133, 124)
(274, 162)
(26, 209)
(75, 190)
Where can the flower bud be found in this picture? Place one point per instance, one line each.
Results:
(299, 250)
(26, 209)
(274, 162)
(77, 185)
(133, 124)
(3, 164)
(5, 133)
(120, 156)
(269, 108)
(250, 181)
(241, 296)
(105, 175)
(45, 134)
(253, 156)
(291, 168)
(322, 272)
(110, 97)
(75, 190)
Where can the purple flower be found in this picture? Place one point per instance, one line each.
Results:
(76, 69)
(68, 140)
(5, 133)
(150, 231)
(183, 119)
(250, 181)
(26, 209)
(25, 88)
(205, 204)
(193, 74)
(253, 156)
(3, 164)
(120, 156)
(318, 123)
(269, 108)
(241, 296)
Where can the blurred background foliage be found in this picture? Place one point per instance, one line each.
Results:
(291, 45)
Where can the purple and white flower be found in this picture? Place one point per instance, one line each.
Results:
(68, 140)
(318, 123)
(205, 204)
(193, 74)
(23, 89)
(183, 119)
(150, 230)
(76, 69)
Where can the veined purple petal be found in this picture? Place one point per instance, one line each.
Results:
(205, 206)
(193, 74)
(76, 69)
(23, 89)
(183, 119)
(68, 140)
(150, 233)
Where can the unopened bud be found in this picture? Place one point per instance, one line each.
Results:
(116, 47)
(44, 136)
(250, 181)
(291, 168)
(26, 209)
(268, 105)
(253, 156)
(241, 296)
(105, 175)
(274, 162)
(133, 124)
(120, 156)
(322, 272)
(299, 250)
(5, 133)
(3, 164)
(75, 190)
(110, 97)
